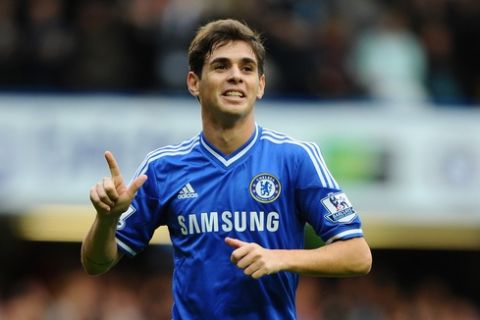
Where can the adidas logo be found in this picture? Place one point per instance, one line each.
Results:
(187, 192)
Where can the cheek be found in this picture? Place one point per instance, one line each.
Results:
(209, 86)
(208, 94)
(256, 90)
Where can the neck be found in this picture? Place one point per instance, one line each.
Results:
(227, 139)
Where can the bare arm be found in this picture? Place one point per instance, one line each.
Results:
(99, 249)
(342, 258)
(110, 197)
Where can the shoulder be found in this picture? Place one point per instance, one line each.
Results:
(306, 155)
(289, 144)
(169, 154)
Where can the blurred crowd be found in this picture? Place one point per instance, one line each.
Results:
(399, 50)
(74, 295)
(44, 281)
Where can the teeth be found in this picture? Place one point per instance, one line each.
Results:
(233, 93)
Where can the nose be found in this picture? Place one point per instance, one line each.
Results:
(235, 75)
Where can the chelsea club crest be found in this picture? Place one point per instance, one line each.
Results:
(265, 188)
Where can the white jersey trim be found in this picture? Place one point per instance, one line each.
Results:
(228, 162)
(175, 150)
(125, 247)
(313, 152)
(358, 232)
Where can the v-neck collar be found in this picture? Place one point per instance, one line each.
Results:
(228, 160)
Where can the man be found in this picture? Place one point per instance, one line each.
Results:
(235, 198)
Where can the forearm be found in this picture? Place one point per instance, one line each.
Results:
(99, 249)
(342, 258)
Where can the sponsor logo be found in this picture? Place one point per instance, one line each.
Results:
(187, 192)
(228, 221)
(265, 188)
(339, 207)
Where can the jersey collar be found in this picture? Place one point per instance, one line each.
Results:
(228, 160)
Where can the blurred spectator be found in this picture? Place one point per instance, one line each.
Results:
(103, 59)
(333, 49)
(29, 301)
(177, 22)
(465, 25)
(289, 46)
(442, 79)
(10, 43)
(309, 298)
(331, 78)
(48, 44)
(389, 61)
(142, 18)
(76, 297)
(73, 295)
(403, 284)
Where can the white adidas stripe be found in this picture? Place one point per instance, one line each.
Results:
(313, 152)
(189, 188)
(180, 149)
(183, 191)
(187, 192)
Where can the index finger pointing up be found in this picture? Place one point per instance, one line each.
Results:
(112, 164)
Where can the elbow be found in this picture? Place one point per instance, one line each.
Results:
(366, 266)
(362, 258)
(359, 260)
(363, 264)
(92, 269)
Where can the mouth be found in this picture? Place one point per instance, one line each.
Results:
(234, 93)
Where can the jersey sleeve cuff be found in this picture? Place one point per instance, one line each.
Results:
(348, 234)
(126, 249)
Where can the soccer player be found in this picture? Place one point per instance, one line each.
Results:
(235, 198)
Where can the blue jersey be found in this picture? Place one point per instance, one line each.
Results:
(264, 192)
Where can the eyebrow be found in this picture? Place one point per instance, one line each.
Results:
(227, 60)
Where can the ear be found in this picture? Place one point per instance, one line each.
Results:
(193, 83)
(261, 86)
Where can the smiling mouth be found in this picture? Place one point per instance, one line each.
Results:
(233, 93)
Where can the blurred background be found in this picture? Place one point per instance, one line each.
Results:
(390, 90)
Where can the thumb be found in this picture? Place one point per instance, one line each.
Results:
(136, 184)
(234, 243)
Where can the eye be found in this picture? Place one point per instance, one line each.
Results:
(248, 68)
(219, 66)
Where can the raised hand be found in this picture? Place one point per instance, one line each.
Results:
(111, 196)
(253, 259)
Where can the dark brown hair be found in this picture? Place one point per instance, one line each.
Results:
(218, 33)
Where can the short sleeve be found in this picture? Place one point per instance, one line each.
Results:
(137, 225)
(323, 204)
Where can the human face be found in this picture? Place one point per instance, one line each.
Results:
(230, 82)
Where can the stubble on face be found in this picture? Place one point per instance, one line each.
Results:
(230, 84)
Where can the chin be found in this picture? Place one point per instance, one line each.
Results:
(230, 116)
